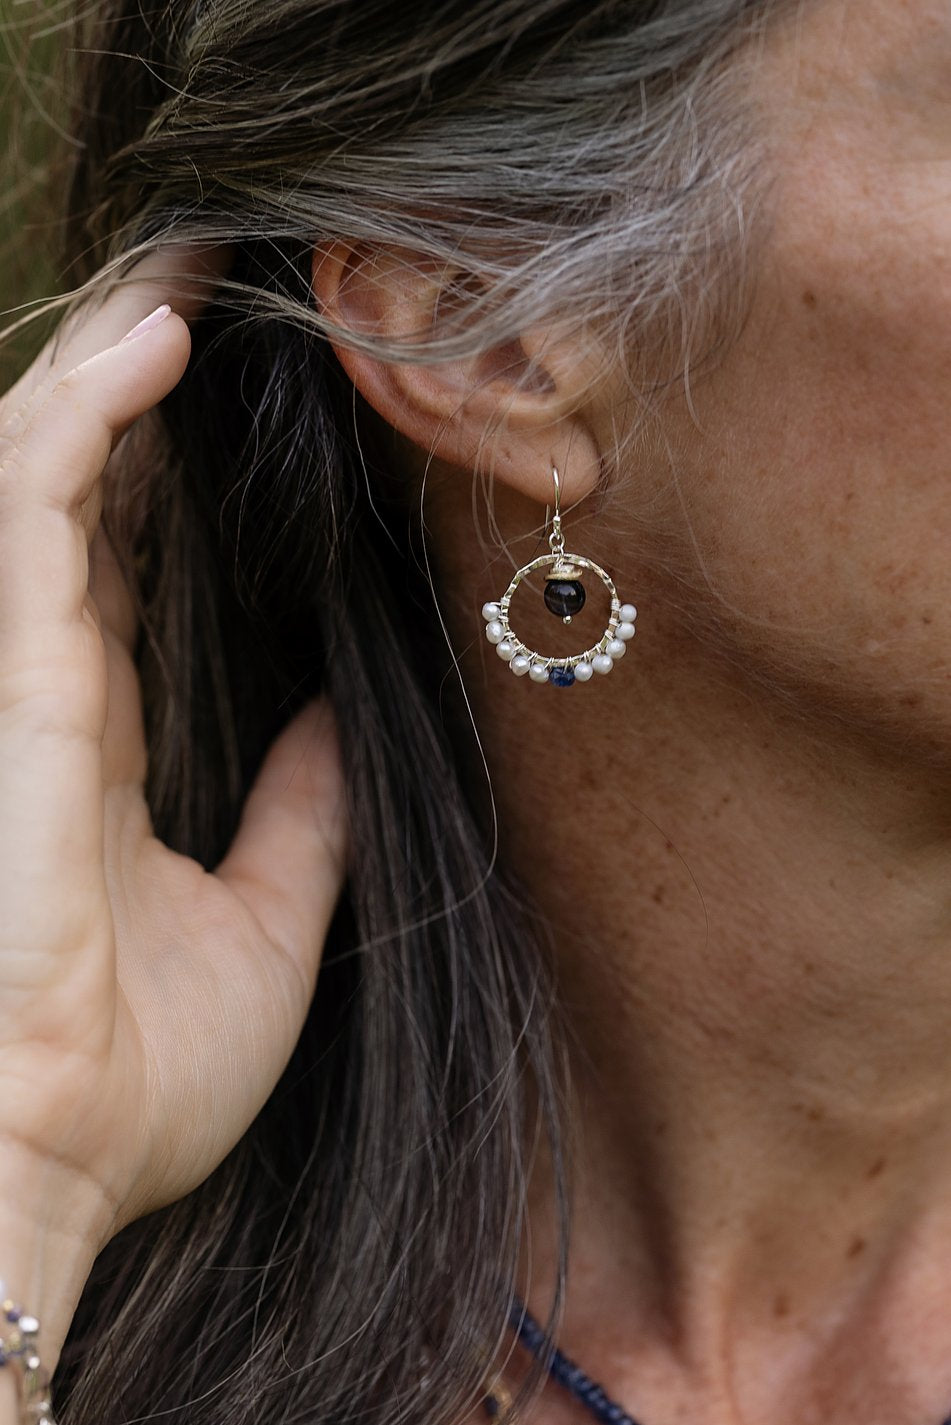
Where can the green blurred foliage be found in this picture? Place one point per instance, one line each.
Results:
(30, 127)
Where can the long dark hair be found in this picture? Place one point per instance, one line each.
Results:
(354, 1256)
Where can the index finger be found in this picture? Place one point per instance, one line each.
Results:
(185, 275)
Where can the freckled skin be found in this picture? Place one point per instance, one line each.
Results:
(746, 845)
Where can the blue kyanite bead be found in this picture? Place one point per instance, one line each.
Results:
(13, 1314)
(561, 677)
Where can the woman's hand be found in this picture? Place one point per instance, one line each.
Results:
(147, 1007)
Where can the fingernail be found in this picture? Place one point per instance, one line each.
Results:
(147, 323)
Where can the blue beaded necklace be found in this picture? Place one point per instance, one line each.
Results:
(571, 1377)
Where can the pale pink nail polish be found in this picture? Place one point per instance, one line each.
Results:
(147, 323)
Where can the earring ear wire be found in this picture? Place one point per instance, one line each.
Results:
(564, 596)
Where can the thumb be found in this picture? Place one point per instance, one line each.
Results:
(287, 862)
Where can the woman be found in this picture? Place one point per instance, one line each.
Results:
(660, 957)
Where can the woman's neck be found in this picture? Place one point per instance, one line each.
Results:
(753, 934)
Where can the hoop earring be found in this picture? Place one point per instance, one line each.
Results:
(564, 596)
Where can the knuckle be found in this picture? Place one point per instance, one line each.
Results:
(13, 426)
(73, 391)
(62, 698)
(76, 397)
(70, 424)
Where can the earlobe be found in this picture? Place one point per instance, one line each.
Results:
(504, 409)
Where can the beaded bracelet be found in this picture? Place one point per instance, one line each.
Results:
(18, 1343)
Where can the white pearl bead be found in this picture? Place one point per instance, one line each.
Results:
(601, 663)
(490, 612)
(520, 665)
(538, 673)
(494, 631)
(506, 650)
(625, 631)
(616, 648)
(628, 613)
(583, 671)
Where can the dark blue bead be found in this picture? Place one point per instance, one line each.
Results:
(561, 677)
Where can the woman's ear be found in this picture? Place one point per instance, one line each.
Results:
(514, 410)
